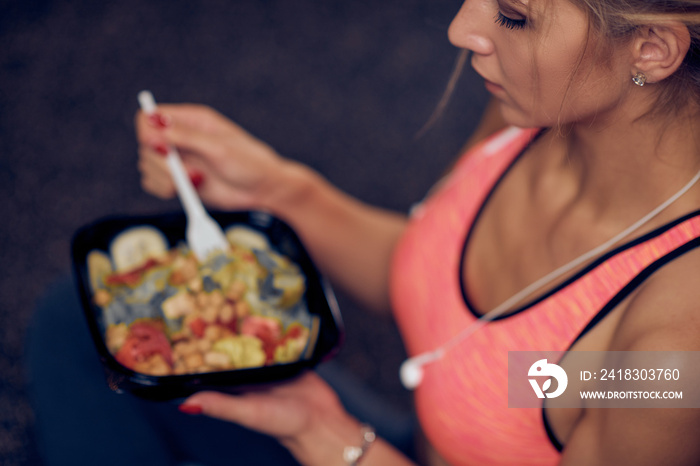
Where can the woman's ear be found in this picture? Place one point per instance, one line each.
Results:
(658, 50)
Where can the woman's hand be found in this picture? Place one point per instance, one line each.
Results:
(230, 168)
(350, 241)
(304, 414)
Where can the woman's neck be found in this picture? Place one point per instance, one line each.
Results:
(622, 169)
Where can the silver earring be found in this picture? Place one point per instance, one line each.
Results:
(639, 79)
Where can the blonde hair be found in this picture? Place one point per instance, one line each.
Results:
(617, 21)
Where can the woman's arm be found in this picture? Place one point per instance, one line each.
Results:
(663, 316)
(350, 241)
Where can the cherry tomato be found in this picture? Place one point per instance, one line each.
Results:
(145, 339)
(267, 330)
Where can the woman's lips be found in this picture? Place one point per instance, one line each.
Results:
(493, 88)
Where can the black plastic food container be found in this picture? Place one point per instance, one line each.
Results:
(318, 295)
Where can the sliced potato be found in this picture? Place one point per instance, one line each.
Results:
(292, 286)
(291, 349)
(135, 246)
(244, 350)
(99, 266)
(247, 237)
(116, 336)
(178, 305)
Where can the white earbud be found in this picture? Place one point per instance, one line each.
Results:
(411, 371)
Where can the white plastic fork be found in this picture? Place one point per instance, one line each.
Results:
(204, 236)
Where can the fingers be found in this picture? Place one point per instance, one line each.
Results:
(195, 117)
(193, 140)
(190, 128)
(199, 130)
(233, 162)
(155, 133)
(155, 177)
(201, 117)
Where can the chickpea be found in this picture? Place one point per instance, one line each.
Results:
(203, 369)
(216, 359)
(102, 297)
(178, 305)
(203, 344)
(184, 348)
(227, 313)
(216, 298)
(210, 314)
(185, 269)
(142, 367)
(194, 361)
(195, 285)
(116, 336)
(202, 299)
(158, 365)
(212, 333)
(236, 290)
(190, 269)
(242, 309)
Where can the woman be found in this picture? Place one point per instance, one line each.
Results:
(615, 87)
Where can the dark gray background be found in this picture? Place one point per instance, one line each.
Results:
(341, 85)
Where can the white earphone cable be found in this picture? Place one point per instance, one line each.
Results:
(411, 369)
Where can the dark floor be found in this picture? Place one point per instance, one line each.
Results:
(341, 85)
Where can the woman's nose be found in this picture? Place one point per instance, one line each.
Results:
(470, 26)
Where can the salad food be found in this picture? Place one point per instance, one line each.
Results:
(163, 313)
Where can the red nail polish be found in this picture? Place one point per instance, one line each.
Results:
(197, 179)
(158, 120)
(190, 409)
(162, 149)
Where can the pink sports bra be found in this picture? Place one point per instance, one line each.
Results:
(462, 402)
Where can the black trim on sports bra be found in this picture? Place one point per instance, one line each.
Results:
(477, 313)
(550, 433)
(468, 236)
(652, 234)
(621, 296)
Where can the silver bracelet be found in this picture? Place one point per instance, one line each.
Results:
(353, 455)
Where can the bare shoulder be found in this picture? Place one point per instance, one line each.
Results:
(664, 315)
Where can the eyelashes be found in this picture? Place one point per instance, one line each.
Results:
(509, 23)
